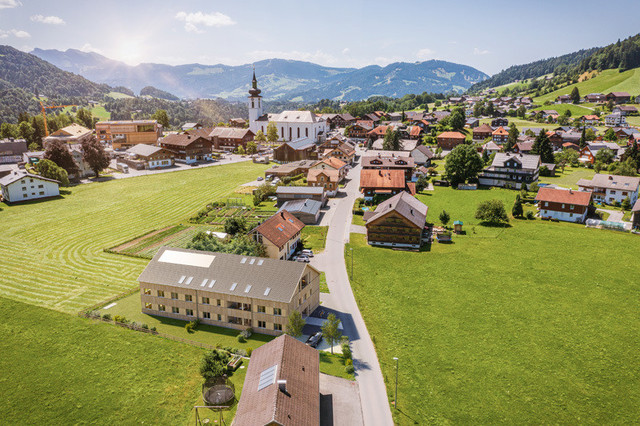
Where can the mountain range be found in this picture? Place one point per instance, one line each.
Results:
(279, 79)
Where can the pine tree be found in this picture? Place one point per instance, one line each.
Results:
(542, 147)
(583, 138)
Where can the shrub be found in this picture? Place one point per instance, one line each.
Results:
(346, 352)
(247, 333)
(145, 326)
(349, 369)
(492, 211)
(153, 329)
(242, 352)
(107, 316)
(530, 215)
(249, 351)
(286, 180)
(348, 362)
(120, 319)
(241, 338)
(214, 364)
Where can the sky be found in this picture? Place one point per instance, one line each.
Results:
(489, 35)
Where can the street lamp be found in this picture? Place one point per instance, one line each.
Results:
(395, 402)
(351, 249)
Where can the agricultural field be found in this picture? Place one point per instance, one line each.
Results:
(62, 263)
(118, 95)
(504, 325)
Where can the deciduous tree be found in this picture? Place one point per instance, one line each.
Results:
(295, 324)
(272, 132)
(93, 153)
(50, 170)
(58, 152)
(252, 148)
(492, 211)
(260, 137)
(162, 117)
(331, 330)
(462, 164)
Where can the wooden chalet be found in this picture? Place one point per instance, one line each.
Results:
(302, 149)
(397, 222)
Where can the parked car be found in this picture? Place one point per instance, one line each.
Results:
(315, 339)
(260, 178)
(307, 252)
(269, 178)
(304, 259)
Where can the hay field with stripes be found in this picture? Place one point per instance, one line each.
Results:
(51, 252)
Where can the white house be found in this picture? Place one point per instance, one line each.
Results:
(291, 125)
(563, 204)
(615, 119)
(21, 186)
(611, 188)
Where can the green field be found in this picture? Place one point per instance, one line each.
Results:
(570, 177)
(576, 110)
(61, 369)
(314, 237)
(605, 82)
(101, 113)
(518, 325)
(60, 242)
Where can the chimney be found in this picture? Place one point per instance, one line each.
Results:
(570, 191)
(282, 385)
(610, 177)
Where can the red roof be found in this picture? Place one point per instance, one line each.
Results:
(500, 131)
(392, 179)
(280, 228)
(415, 131)
(451, 135)
(579, 198)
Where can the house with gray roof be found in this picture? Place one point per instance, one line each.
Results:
(397, 222)
(228, 290)
(306, 210)
(19, 186)
(511, 170)
(611, 188)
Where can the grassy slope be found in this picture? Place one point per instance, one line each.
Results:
(61, 369)
(530, 324)
(606, 81)
(576, 110)
(118, 95)
(59, 242)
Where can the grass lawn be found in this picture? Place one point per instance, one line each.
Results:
(576, 110)
(570, 177)
(358, 220)
(526, 324)
(314, 237)
(61, 369)
(62, 264)
(324, 288)
(100, 112)
(118, 95)
(605, 82)
(333, 364)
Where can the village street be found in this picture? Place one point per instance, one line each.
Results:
(373, 394)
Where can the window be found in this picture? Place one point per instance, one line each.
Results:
(190, 312)
(41, 192)
(25, 195)
(277, 311)
(160, 293)
(206, 315)
(262, 309)
(218, 302)
(174, 296)
(219, 317)
(188, 298)
(175, 310)
(42, 186)
(262, 324)
(24, 188)
(277, 327)
(161, 308)
(205, 300)
(147, 291)
(148, 306)
(306, 132)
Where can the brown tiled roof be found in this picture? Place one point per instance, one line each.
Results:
(333, 175)
(392, 179)
(202, 132)
(230, 132)
(336, 163)
(451, 135)
(379, 131)
(180, 140)
(484, 128)
(388, 161)
(500, 131)
(404, 204)
(578, 198)
(415, 131)
(280, 228)
(294, 362)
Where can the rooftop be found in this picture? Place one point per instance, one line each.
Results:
(404, 204)
(564, 196)
(280, 228)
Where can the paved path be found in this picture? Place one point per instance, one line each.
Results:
(614, 215)
(358, 229)
(373, 394)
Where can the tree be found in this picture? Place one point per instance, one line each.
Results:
(85, 118)
(512, 139)
(590, 135)
(542, 147)
(50, 170)
(260, 137)
(610, 135)
(521, 111)
(517, 210)
(240, 244)
(575, 95)
(58, 152)
(26, 131)
(252, 148)
(421, 183)
(444, 217)
(457, 120)
(93, 153)
(8, 130)
(605, 156)
(240, 150)
(391, 140)
(214, 364)
(235, 225)
(462, 164)
(583, 138)
(295, 324)
(272, 132)
(492, 211)
(331, 330)
(626, 204)
(162, 117)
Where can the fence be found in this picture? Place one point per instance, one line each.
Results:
(106, 302)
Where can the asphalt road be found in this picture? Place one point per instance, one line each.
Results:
(373, 395)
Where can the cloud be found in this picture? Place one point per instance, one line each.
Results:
(477, 51)
(346, 51)
(15, 33)
(425, 54)
(53, 20)
(8, 4)
(192, 21)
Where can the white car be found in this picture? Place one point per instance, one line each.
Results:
(307, 252)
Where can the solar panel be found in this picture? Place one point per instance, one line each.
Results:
(204, 282)
(233, 286)
(267, 291)
(181, 280)
(212, 283)
(267, 377)
(246, 290)
(189, 280)
(260, 262)
(252, 262)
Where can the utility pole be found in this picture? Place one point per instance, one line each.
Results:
(395, 402)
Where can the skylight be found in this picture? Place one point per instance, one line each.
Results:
(212, 283)
(189, 280)
(267, 377)
(181, 280)
(267, 291)
(252, 261)
(244, 260)
(233, 286)
(246, 290)
(204, 282)
(260, 262)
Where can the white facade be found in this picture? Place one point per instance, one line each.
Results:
(160, 163)
(613, 195)
(564, 216)
(255, 112)
(615, 119)
(28, 187)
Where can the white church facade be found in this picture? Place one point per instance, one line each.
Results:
(291, 125)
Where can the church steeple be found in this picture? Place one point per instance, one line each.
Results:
(254, 91)
(255, 105)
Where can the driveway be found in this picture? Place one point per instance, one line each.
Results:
(339, 402)
(614, 215)
(373, 394)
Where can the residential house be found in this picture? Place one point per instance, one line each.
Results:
(590, 119)
(449, 140)
(422, 156)
(339, 120)
(294, 193)
(563, 99)
(191, 126)
(187, 148)
(500, 135)
(618, 97)
(72, 134)
(306, 210)
(379, 132)
(230, 138)
(302, 149)
(149, 157)
(84, 169)
(20, 186)
(499, 122)
(589, 152)
(472, 122)
(282, 386)
(344, 152)
(482, 132)
(280, 234)
(328, 179)
(227, 290)
(332, 163)
(12, 150)
(615, 119)
(414, 132)
(563, 204)
(291, 169)
(523, 147)
(7, 169)
(511, 171)
(491, 147)
(595, 98)
(611, 188)
(360, 129)
(397, 222)
(625, 110)
(382, 182)
(393, 162)
(635, 215)
(124, 134)
(239, 123)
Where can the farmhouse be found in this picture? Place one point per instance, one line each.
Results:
(422, 155)
(382, 182)
(360, 129)
(125, 134)
(449, 140)
(231, 137)
(12, 150)
(611, 188)
(149, 157)
(499, 122)
(282, 385)
(331, 163)
(187, 148)
(344, 152)
(511, 170)
(280, 234)
(500, 135)
(562, 204)
(18, 186)
(595, 98)
(326, 178)
(292, 193)
(239, 123)
(339, 120)
(291, 169)
(393, 162)
(301, 149)
(306, 210)
(618, 97)
(227, 290)
(482, 132)
(397, 222)
(589, 152)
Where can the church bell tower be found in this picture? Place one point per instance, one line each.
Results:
(255, 105)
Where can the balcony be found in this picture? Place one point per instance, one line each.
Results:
(239, 306)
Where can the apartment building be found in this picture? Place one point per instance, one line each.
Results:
(510, 170)
(611, 188)
(19, 186)
(125, 134)
(228, 290)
